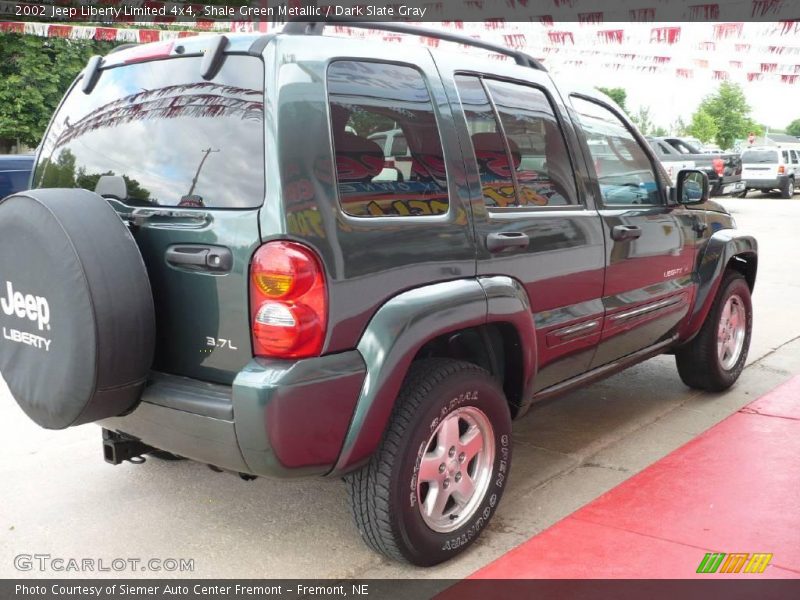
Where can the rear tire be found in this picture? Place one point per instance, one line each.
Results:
(787, 191)
(714, 359)
(422, 498)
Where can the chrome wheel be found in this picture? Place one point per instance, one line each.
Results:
(731, 332)
(455, 469)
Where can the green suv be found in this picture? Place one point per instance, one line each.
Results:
(218, 262)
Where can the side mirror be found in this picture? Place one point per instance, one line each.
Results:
(691, 187)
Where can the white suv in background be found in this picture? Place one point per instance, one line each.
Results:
(767, 168)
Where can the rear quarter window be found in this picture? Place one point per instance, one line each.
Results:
(176, 139)
(369, 97)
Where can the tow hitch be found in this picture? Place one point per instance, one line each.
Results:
(118, 448)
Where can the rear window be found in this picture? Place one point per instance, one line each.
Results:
(760, 156)
(13, 181)
(176, 139)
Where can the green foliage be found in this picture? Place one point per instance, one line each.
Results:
(642, 120)
(703, 126)
(730, 112)
(679, 127)
(617, 94)
(62, 173)
(35, 72)
(659, 132)
(794, 128)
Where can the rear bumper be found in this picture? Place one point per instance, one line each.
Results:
(767, 184)
(724, 186)
(279, 418)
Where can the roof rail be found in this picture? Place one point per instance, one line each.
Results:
(317, 27)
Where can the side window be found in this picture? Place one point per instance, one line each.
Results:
(368, 98)
(785, 154)
(539, 153)
(524, 146)
(490, 149)
(623, 168)
(794, 157)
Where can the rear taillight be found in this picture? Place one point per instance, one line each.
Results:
(781, 169)
(719, 166)
(288, 301)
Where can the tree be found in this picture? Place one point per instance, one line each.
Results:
(659, 132)
(730, 112)
(703, 126)
(794, 128)
(35, 72)
(617, 94)
(642, 120)
(679, 127)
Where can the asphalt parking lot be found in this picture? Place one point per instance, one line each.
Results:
(59, 497)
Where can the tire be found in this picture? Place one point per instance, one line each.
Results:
(76, 309)
(701, 363)
(787, 191)
(387, 496)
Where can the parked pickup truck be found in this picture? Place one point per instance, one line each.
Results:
(724, 170)
(674, 164)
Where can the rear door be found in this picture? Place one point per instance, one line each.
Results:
(522, 154)
(183, 159)
(650, 245)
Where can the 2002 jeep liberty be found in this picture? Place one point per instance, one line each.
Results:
(221, 260)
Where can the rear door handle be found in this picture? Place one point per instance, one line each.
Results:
(625, 232)
(497, 242)
(198, 257)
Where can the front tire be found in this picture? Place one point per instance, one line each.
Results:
(437, 478)
(714, 359)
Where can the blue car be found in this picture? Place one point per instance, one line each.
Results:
(15, 173)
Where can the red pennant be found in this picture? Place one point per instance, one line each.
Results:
(721, 75)
(642, 15)
(742, 47)
(560, 37)
(704, 12)
(754, 76)
(727, 30)
(12, 27)
(768, 67)
(105, 34)
(149, 35)
(763, 8)
(61, 31)
(707, 46)
(611, 36)
(668, 35)
(591, 17)
(515, 40)
(789, 78)
(684, 73)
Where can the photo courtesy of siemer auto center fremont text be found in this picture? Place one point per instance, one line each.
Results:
(401, 300)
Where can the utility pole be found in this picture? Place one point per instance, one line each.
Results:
(206, 152)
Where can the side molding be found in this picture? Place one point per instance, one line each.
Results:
(720, 249)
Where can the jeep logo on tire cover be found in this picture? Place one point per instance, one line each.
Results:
(35, 308)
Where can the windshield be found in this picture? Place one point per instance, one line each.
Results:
(174, 138)
(760, 156)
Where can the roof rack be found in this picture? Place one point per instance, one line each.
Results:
(317, 27)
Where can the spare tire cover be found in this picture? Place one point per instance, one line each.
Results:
(76, 310)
